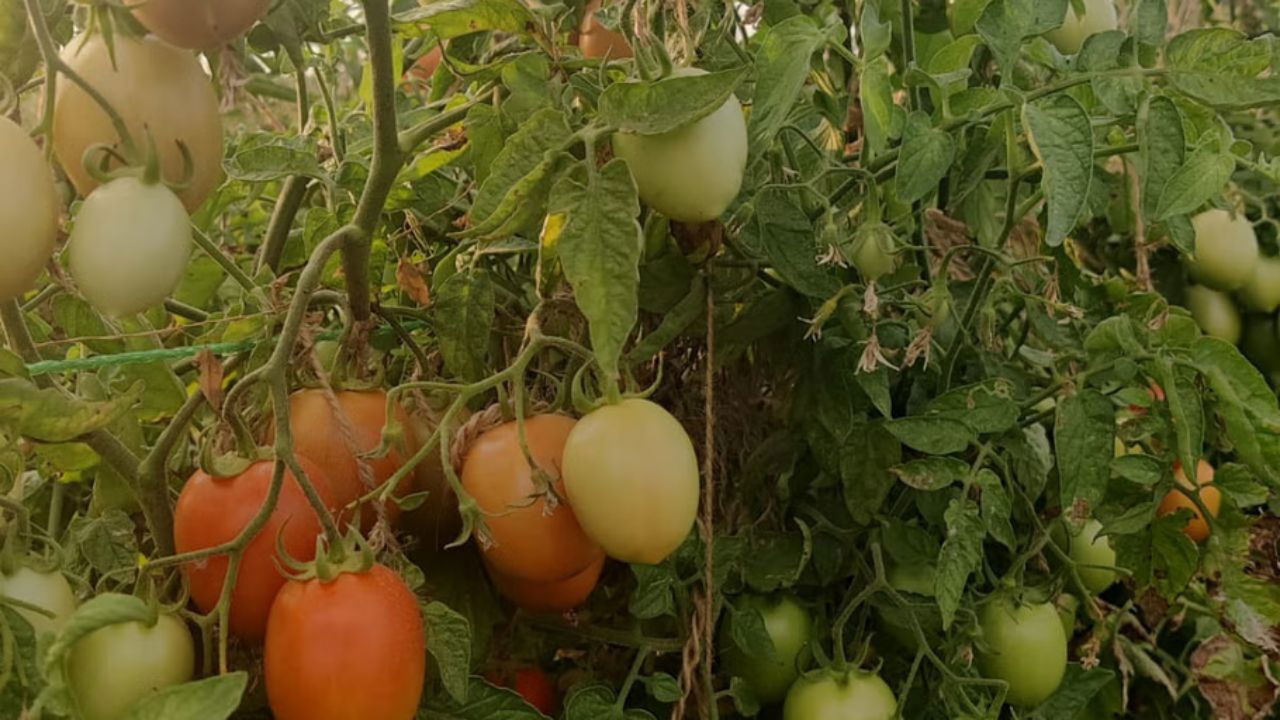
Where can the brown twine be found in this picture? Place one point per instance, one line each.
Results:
(475, 426)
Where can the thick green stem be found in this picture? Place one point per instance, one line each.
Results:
(292, 192)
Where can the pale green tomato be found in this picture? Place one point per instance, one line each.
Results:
(130, 245)
(874, 253)
(1099, 16)
(50, 591)
(1226, 251)
(28, 211)
(1262, 291)
(1087, 549)
(1214, 312)
(829, 695)
(632, 479)
(789, 628)
(1025, 646)
(113, 668)
(692, 173)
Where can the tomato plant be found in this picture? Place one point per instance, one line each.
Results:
(789, 627)
(28, 211)
(1023, 645)
(113, 668)
(832, 695)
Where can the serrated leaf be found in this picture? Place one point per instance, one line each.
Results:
(484, 702)
(1062, 138)
(1162, 148)
(925, 158)
(1084, 433)
(213, 698)
(463, 315)
(1005, 24)
(1201, 178)
(651, 107)
(997, 508)
(782, 65)
(931, 473)
(523, 166)
(961, 556)
(449, 642)
(453, 18)
(52, 416)
(932, 435)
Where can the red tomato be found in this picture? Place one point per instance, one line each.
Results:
(531, 683)
(212, 511)
(551, 597)
(353, 648)
(529, 543)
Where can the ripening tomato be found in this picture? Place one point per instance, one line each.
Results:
(531, 683)
(1024, 645)
(350, 648)
(113, 668)
(1197, 527)
(558, 596)
(692, 173)
(198, 24)
(598, 41)
(423, 69)
(212, 511)
(790, 628)
(319, 435)
(632, 478)
(1214, 312)
(157, 89)
(529, 543)
(1093, 555)
(1099, 16)
(130, 246)
(28, 211)
(1262, 291)
(47, 590)
(832, 695)
(1226, 250)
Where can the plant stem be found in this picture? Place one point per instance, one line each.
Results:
(292, 192)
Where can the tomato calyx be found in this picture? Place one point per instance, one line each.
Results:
(351, 554)
(98, 156)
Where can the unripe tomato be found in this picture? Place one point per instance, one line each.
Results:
(1024, 645)
(1226, 251)
(830, 695)
(558, 596)
(874, 253)
(1099, 16)
(1260, 343)
(48, 590)
(531, 683)
(28, 211)
(529, 543)
(598, 41)
(1087, 549)
(632, 478)
(129, 247)
(1197, 527)
(1214, 312)
(212, 511)
(692, 173)
(113, 668)
(319, 435)
(789, 627)
(157, 89)
(1262, 291)
(353, 647)
(198, 24)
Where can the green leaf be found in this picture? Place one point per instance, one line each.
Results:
(1246, 403)
(925, 158)
(68, 457)
(453, 18)
(20, 680)
(1078, 688)
(600, 249)
(1007, 23)
(1083, 433)
(1162, 149)
(688, 311)
(653, 594)
(1201, 178)
(997, 508)
(960, 557)
(449, 642)
(931, 473)
(1219, 49)
(1142, 470)
(651, 107)
(52, 416)
(485, 138)
(213, 698)
(264, 157)
(782, 66)
(522, 172)
(1149, 21)
(1062, 139)
(865, 458)
(875, 36)
(484, 702)
(1227, 92)
(932, 435)
(662, 687)
(781, 231)
(749, 634)
(463, 316)
(986, 407)
(876, 97)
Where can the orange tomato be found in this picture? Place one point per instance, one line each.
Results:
(419, 74)
(1197, 527)
(548, 597)
(597, 41)
(198, 24)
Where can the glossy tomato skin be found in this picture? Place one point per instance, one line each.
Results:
(790, 627)
(559, 596)
(111, 669)
(690, 174)
(1088, 549)
(632, 478)
(130, 245)
(1214, 312)
(528, 542)
(1261, 292)
(354, 647)
(198, 24)
(598, 41)
(211, 511)
(318, 434)
(1025, 646)
(48, 590)
(1226, 250)
(1197, 528)
(830, 695)
(1099, 16)
(531, 683)
(28, 211)
(157, 89)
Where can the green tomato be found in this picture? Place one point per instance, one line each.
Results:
(1024, 645)
(831, 695)
(130, 245)
(50, 591)
(874, 252)
(1214, 312)
(1226, 250)
(789, 627)
(692, 173)
(28, 211)
(114, 667)
(1262, 291)
(1099, 16)
(1087, 549)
